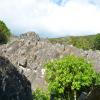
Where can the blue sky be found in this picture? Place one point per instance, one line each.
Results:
(57, 1)
(60, 2)
(51, 18)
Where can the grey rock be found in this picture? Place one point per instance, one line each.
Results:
(13, 85)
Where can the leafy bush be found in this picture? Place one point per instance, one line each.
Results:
(68, 75)
(39, 94)
(4, 33)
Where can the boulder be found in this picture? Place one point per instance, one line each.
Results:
(13, 85)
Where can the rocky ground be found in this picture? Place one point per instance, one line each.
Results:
(29, 53)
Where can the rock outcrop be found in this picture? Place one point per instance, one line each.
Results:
(13, 85)
(29, 53)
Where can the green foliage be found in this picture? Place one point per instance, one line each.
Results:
(97, 42)
(84, 42)
(70, 73)
(98, 79)
(4, 33)
(62, 40)
(39, 94)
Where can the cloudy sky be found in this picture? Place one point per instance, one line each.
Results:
(52, 18)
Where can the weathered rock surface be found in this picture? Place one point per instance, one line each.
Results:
(13, 85)
(29, 53)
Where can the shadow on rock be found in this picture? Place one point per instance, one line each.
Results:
(13, 85)
(95, 93)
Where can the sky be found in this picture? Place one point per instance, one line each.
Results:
(51, 18)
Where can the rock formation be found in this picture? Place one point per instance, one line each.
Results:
(13, 85)
(29, 53)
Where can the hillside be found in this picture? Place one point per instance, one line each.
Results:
(84, 42)
(29, 53)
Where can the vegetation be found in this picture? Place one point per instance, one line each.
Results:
(4, 33)
(61, 40)
(97, 42)
(84, 42)
(39, 94)
(69, 75)
(98, 79)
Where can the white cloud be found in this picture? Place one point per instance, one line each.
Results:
(74, 17)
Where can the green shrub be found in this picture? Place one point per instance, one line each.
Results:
(39, 94)
(4, 33)
(68, 75)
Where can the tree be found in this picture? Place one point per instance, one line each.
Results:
(69, 75)
(4, 33)
(97, 42)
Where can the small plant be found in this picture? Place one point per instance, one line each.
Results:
(39, 94)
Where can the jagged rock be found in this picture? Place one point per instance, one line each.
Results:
(39, 51)
(13, 85)
(30, 36)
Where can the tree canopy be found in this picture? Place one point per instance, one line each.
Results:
(70, 73)
(97, 42)
(83, 42)
(4, 33)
